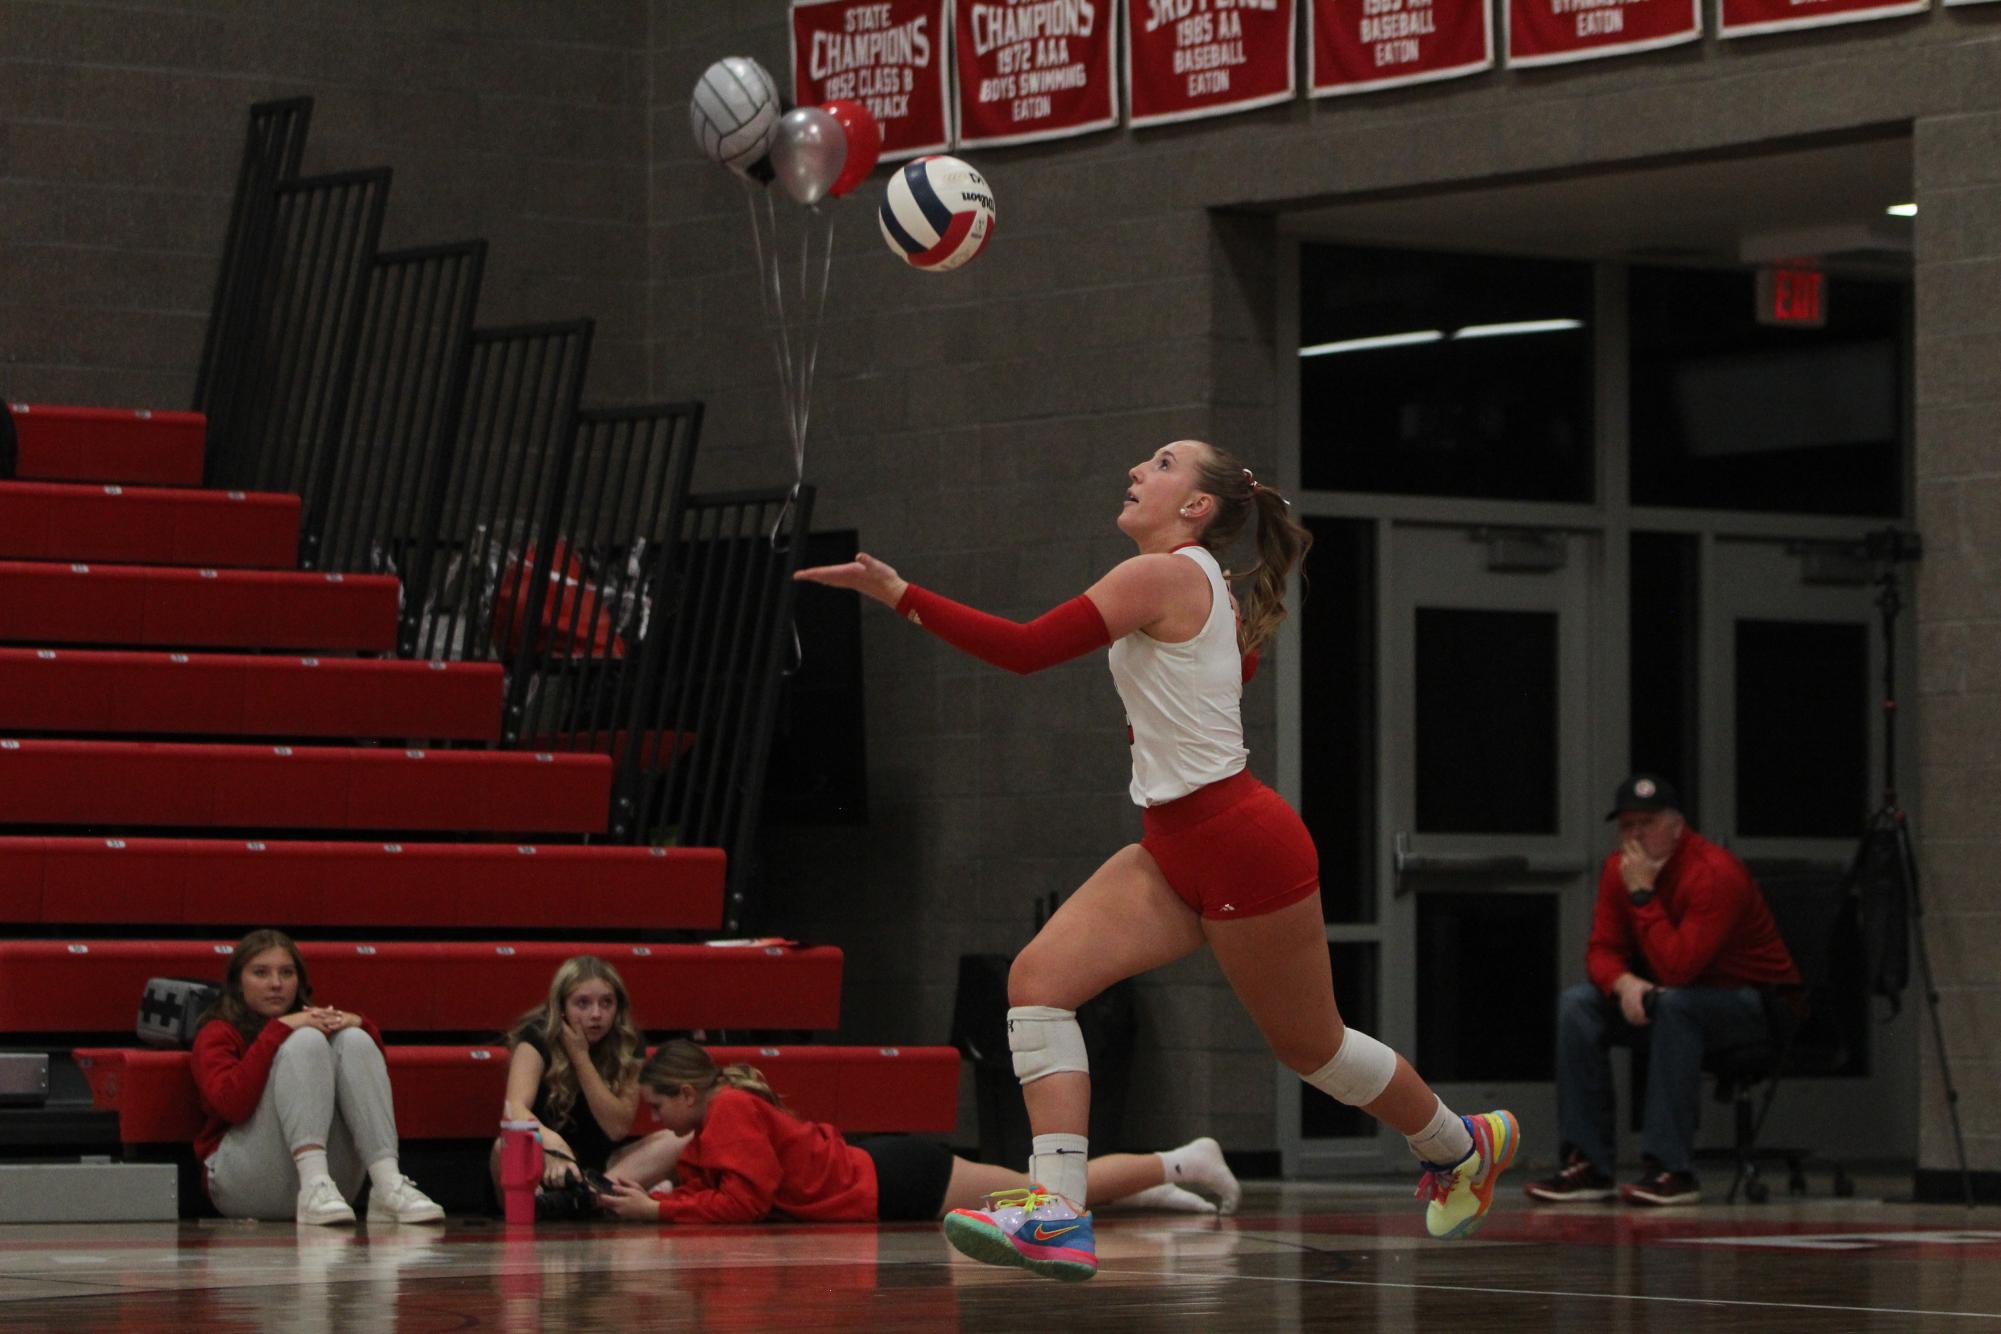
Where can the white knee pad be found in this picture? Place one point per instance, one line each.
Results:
(1045, 1041)
(1359, 1071)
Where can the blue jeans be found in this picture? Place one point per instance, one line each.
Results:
(1686, 1021)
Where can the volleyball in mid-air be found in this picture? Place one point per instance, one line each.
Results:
(937, 213)
(735, 112)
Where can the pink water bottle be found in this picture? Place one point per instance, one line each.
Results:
(520, 1168)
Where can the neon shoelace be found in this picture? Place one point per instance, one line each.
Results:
(1024, 1198)
(1435, 1185)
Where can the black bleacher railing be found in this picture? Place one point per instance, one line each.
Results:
(289, 387)
(709, 680)
(365, 503)
(493, 493)
(609, 575)
(271, 154)
(633, 620)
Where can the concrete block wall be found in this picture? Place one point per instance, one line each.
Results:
(1957, 164)
(121, 124)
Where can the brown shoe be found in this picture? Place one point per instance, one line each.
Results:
(1578, 1182)
(1662, 1189)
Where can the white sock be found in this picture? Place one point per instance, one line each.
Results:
(312, 1165)
(1444, 1142)
(1059, 1164)
(1166, 1196)
(1185, 1164)
(1199, 1163)
(385, 1176)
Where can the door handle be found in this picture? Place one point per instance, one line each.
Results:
(1406, 862)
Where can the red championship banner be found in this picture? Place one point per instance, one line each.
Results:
(889, 55)
(1747, 18)
(1192, 58)
(1359, 46)
(1034, 69)
(1549, 32)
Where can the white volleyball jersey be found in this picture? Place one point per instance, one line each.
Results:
(1183, 701)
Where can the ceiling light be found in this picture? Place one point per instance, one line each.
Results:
(1902, 210)
(1517, 327)
(1371, 344)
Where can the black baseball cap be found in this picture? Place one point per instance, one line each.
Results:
(1644, 792)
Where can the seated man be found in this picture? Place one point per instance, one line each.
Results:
(1683, 951)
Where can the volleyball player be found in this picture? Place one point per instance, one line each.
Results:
(1224, 861)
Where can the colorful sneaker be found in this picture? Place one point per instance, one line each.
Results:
(1579, 1182)
(1030, 1228)
(1660, 1187)
(1457, 1197)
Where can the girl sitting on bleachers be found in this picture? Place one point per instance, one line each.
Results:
(748, 1157)
(297, 1098)
(573, 1068)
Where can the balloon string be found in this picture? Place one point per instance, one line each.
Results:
(816, 322)
(771, 293)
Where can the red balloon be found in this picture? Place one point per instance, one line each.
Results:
(864, 143)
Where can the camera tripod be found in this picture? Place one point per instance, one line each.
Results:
(1884, 874)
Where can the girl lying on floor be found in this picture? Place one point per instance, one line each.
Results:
(737, 1154)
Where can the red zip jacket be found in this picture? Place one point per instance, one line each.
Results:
(751, 1160)
(230, 1075)
(1706, 926)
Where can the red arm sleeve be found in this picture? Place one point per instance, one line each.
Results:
(738, 1177)
(1610, 952)
(1250, 666)
(231, 1077)
(1711, 903)
(1069, 631)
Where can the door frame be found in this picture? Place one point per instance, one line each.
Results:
(1612, 519)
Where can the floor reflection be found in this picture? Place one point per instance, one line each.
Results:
(1296, 1257)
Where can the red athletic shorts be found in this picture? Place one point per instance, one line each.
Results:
(1233, 849)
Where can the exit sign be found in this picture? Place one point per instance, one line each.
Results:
(1792, 296)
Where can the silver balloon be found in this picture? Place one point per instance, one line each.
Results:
(807, 153)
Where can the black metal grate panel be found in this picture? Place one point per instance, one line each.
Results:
(284, 405)
(271, 154)
(709, 682)
(493, 495)
(609, 574)
(366, 505)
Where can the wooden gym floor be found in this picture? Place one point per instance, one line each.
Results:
(1351, 1257)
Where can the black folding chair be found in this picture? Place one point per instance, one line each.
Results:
(1811, 1030)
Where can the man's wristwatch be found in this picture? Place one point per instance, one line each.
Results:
(1641, 897)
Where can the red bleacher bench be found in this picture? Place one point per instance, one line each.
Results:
(455, 1092)
(93, 986)
(69, 444)
(161, 785)
(147, 525)
(225, 694)
(198, 882)
(81, 602)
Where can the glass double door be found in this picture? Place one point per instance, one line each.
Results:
(1518, 673)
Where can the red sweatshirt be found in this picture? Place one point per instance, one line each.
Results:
(1706, 926)
(751, 1160)
(230, 1075)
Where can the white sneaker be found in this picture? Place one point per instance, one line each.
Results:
(321, 1205)
(405, 1204)
(1201, 1166)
